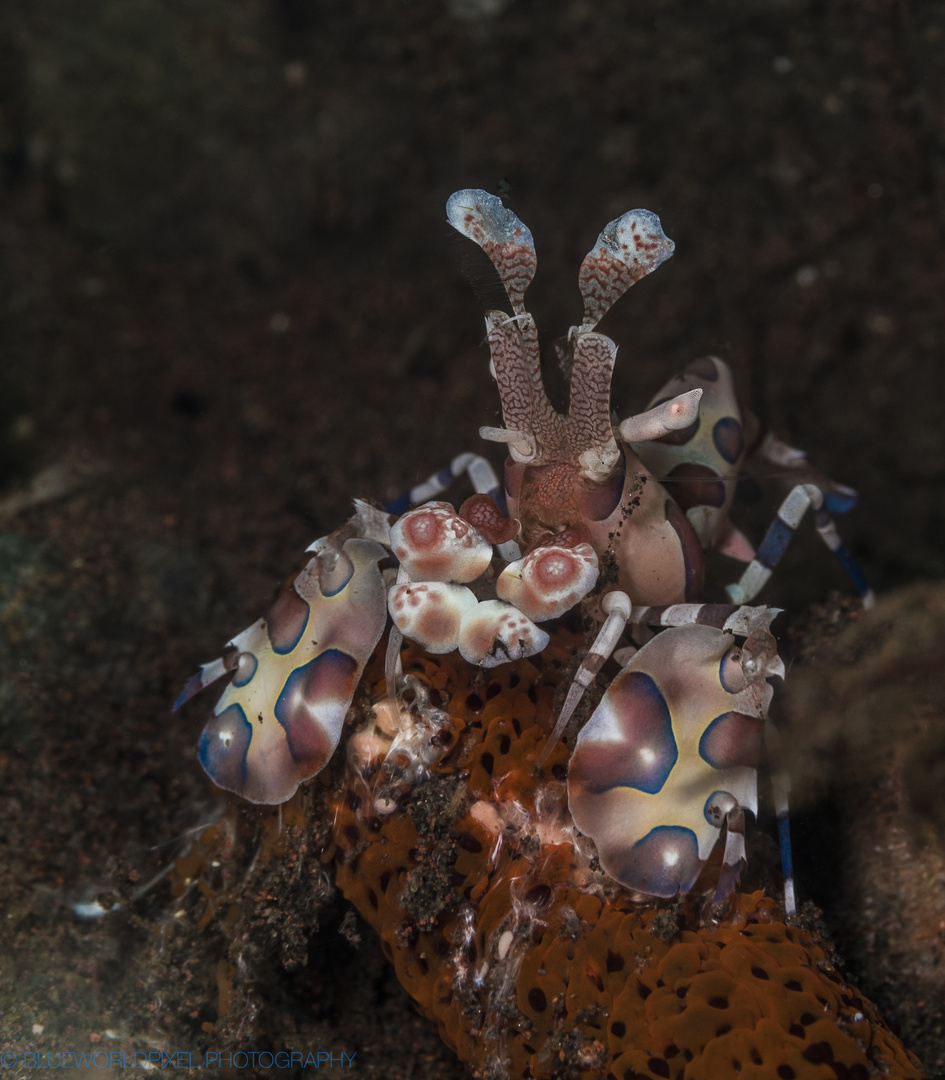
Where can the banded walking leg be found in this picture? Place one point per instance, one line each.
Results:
(617, 607)
(781, 786)
(481, 475)
(779, 535)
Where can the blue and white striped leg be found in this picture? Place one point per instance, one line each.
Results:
(828, 533)
(791, 464)
(781, 786)
(481, 475)
(780, 534)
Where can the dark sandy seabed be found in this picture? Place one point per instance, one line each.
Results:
(229, 301)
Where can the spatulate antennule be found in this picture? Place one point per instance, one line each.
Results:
(500, 234)
(628, 248)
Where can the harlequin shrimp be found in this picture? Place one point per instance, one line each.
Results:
(613, 520)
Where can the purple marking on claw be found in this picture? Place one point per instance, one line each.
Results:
(665, 862)
(246, 665)
(224, 743)
(732, 739)
(313, 704)
(628, 742)
(286, 621)
(728, 439)
(731, 673)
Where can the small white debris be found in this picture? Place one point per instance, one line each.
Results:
(505, 943)
(295, 73)
(880, 323)
(92, 909)
(474, 11)
(91, 287)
